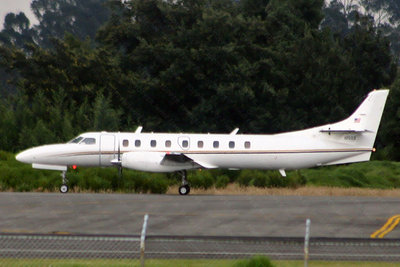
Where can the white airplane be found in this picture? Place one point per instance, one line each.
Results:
(350, 140)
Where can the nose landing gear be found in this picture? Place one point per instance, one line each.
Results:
(64, 187)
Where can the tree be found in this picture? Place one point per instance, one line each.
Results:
(105, 117)
(80, 18)
(204, 66)
(16, 31)
(388, 140)
(340, 16)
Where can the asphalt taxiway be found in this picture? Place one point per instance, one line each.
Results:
(199, 215)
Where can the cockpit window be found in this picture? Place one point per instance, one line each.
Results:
(75, 140)
(89, 141)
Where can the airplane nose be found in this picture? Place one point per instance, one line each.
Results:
(24, 156)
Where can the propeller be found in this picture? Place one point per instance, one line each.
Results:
(117, 162)
(119, 159)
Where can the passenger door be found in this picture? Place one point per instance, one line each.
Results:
(107, 149)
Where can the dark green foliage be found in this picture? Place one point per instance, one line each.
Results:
(201, 179)
(17, 31)
(105, 117)
(259, 179)
(21, 177)
(16, 176)
(231, 174)
(81, 18)
(245, 177)
(255, 261)
(388, 141)
(190, 66)
(157, 183)
(296, 179)
(341, 16)
(270, 179)
(222, 181)
(57, 100)
(374, 174)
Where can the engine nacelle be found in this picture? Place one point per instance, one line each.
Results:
(147, 161)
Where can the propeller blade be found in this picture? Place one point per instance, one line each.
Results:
(119, 150)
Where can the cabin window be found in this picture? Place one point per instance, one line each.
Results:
(200, 144)
(153, 143)
(168, 143)
(137, 143)
(216, 144)
(125, 143)
(185, 143)
(231, 144)
(89, 141)
(247, 144)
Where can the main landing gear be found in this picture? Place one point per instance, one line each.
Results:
(184, 189)
(64, 187)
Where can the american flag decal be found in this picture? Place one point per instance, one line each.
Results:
(357, 120)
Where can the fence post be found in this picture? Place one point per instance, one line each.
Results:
(306, 242)
(142, 239)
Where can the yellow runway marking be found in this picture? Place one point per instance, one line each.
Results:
(387, 227)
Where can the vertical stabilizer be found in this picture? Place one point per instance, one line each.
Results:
(361, 127)
(368, 115)
(365, 120)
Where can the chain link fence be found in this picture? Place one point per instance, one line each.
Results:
(121, 250)
(42, 250)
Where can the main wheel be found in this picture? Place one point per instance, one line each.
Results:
(184, 190)
(64, 188)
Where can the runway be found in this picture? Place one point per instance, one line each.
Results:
(196, 215)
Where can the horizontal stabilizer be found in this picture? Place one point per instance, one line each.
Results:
(342, 131)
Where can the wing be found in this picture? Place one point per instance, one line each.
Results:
(180, 159)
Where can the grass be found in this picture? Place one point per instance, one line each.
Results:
(372, 174)
(334, 264)
(374, 178)
(235, 189)
(173, 263)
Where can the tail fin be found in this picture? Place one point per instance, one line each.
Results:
(363, 124)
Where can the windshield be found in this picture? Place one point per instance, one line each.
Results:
(75, 140)
(89, 141)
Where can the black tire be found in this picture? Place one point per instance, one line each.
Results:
(64, 188)
(188, 189)
(184, 190)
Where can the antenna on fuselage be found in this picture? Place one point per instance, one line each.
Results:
(234, 131)
(139, 129)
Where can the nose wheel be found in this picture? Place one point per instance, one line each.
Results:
(184, 189)
(64, 187)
